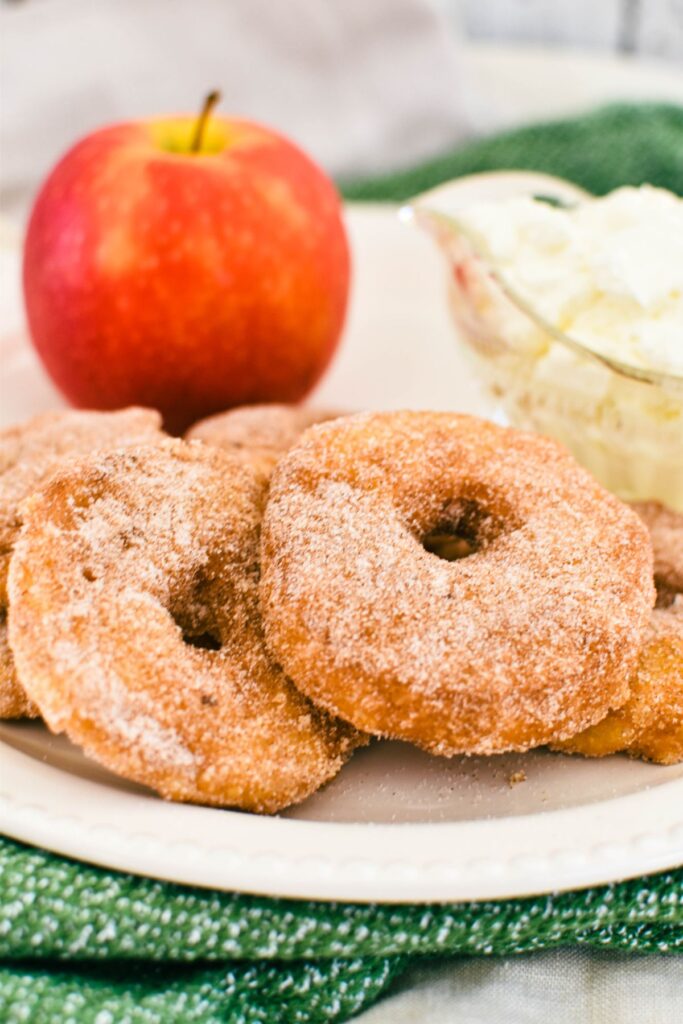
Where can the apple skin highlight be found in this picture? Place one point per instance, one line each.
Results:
(190, 282)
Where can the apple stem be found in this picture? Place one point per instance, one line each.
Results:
(209, 103)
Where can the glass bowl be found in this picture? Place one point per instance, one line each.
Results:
(622, 422)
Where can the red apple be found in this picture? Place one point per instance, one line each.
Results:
(186, 280)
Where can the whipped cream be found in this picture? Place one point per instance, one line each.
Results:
(607, 272)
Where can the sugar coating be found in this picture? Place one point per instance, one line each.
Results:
(260, 434)
(650, 723)
(30, 454)
(13, 700)
(530, 639)
(666, 533)
(125, 557)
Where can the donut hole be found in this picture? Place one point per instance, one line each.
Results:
(448, 544)
(191, 616)
(204, 641)
(666, 595)
(466, 528)
(195, 633)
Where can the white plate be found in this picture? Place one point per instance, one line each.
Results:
(395, 825)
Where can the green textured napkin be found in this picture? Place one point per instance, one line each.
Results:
(621, 144)
(81, 945)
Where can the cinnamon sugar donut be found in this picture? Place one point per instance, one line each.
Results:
(13, 701)
(261, 434)
(531, 637)
(660, 736)
(666, 534)
(136, 630)
(650, 723)
(29, 454)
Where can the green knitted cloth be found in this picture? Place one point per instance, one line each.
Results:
(81, 945)
(621, 144)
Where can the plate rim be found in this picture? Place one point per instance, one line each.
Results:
(554, 850)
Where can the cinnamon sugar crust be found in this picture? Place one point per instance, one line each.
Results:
(30, 453)
(665, 527)
(530, 638)
(136, 630)
(650, 723)
(13, 700)
(259, 434)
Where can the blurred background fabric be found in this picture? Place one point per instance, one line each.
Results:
(645, 27)
(594, 149)
(344, 78)
(569, 986)
(366, 86)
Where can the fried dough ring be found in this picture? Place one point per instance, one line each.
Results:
(29, 455)
(13, 701)
(260, 434)
(122, 560)
(536, 632)
(659, 688)
(650, 723)
(666, 534)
